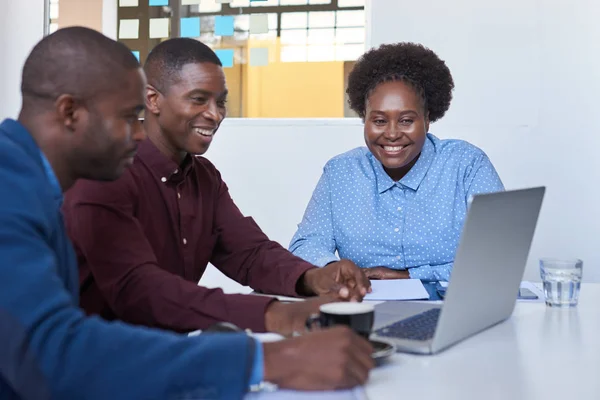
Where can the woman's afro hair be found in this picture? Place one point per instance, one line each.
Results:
(409, 62)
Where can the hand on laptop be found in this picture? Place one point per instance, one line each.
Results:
(342, 278)
(335, 358)
(386, 273)
(287, 318)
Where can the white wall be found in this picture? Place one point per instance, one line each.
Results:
(109, 18)
(21, 27)
(272, 167)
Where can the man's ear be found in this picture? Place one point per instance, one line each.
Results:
(152, 100)
(427, 122)
(71, 111)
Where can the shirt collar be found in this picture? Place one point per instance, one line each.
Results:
(19, 132)
(414, 177)
(162, 167)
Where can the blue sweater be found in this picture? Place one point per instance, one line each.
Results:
(48, 348)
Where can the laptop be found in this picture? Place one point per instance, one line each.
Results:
(483, 289)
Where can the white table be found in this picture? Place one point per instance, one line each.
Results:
(539, 353)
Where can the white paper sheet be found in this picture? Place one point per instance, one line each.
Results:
(259, 23)
(259, 56)
(128, 3)
(353, 394)
(267, 337)
(397, 289)
(535, 288)
(129, 29)
(159, 28)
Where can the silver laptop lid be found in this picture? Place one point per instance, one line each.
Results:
(489, 263)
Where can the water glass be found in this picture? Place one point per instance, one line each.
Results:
(562, 281)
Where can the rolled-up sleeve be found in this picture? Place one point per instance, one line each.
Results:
(439, 272)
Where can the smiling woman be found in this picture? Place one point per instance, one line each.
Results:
(396, 124)
(397, 206)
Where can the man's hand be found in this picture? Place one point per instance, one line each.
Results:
(330, 359)
(341, 278)
(287, 318)
(386, 273)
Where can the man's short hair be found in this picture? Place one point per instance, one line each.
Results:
(76, 61)
(165, 61)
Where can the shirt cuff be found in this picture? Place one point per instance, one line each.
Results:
(257, 375)
(245, 311)
(424, 272)
(431, 273)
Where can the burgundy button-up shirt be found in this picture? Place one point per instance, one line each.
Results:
(144, 241)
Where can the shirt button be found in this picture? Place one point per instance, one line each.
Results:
(176, 171)
(178, 195)
(399, 208)
(163, 179)
(184, 241)
(398, 257)
(396, 230)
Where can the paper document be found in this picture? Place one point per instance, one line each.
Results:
(159, 28)
(259, 56)
(536, 289)
(397, 289)
(353, 394)
(280, 298)
(259, 23)
(267, 337)
(129, 29)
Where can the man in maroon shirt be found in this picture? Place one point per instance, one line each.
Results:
(144, 241)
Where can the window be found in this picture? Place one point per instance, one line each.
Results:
(65, 13)
(282, 58)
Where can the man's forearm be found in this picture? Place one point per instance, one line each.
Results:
(170, 302)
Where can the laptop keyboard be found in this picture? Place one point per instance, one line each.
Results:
(418, 327)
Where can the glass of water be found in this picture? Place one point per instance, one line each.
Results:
(562, 281)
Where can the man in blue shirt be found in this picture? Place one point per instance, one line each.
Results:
(74, 124)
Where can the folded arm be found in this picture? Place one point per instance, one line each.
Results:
(440, 272)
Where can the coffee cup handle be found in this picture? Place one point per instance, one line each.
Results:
(312, 320)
